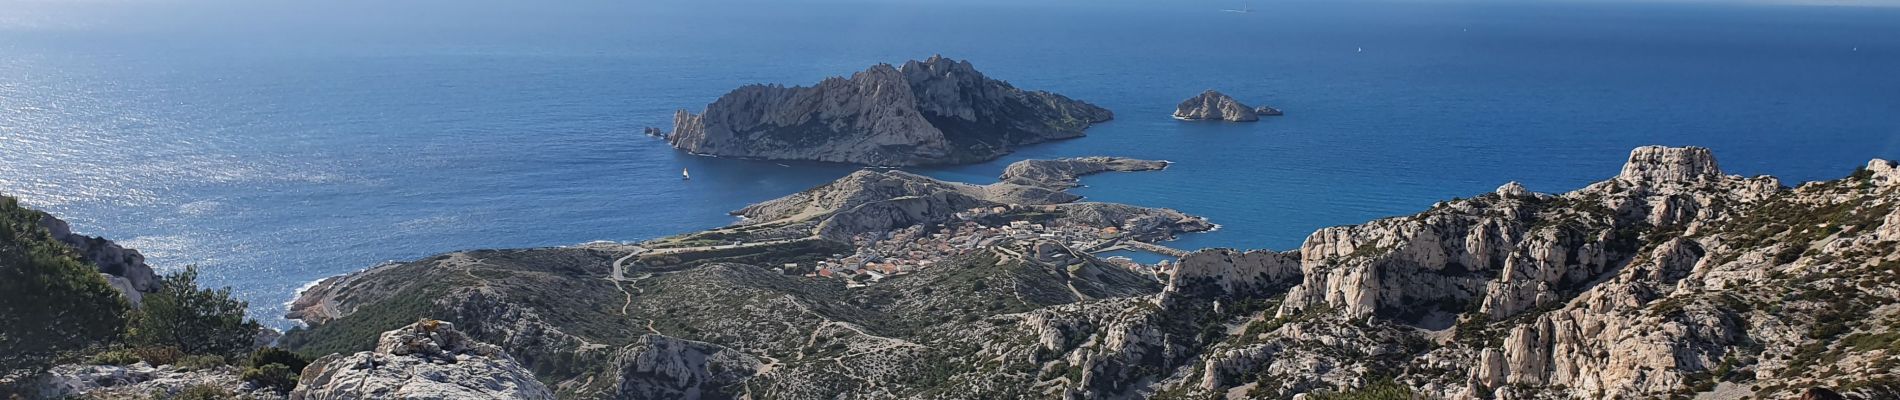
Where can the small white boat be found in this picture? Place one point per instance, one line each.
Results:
(684, 175)
(1362, 49)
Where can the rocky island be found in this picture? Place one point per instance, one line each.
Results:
(931, 112)
(1214, 105)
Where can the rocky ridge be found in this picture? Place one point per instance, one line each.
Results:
(930, 112)
(1669, 280)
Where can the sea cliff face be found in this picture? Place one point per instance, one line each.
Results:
(1670, 279)
(936, 111)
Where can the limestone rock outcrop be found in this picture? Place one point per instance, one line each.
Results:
(1659, 164)
(661, 367)
(1228, 273)
(931, 112)
(1883, 172)
(425, 360)
(1214, 105)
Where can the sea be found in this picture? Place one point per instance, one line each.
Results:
(276, 143)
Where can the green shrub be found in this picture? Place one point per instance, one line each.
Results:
(202, 392)
(158, 355)
(34, 267)
(1381, 390)
(275, 376)
(273, 355)
(114, 357)
(197, 362)
(193, 320)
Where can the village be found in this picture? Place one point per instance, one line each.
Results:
(907, 250)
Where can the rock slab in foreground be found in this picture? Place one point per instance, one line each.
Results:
(425, 360)
(932, 112)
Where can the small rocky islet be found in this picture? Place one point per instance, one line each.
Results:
(1216, 106)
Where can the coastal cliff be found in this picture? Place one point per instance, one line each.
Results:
(930, 112)
(1670, 279)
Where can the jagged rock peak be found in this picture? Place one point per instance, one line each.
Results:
(425, 360)
(1660, 164)
(1214, 105)
(1513, 189)
(931, 112)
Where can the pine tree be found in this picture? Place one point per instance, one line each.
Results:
(52, 303)
(194, 320)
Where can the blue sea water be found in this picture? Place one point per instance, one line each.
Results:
(274, 144)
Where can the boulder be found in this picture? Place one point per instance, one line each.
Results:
(425, 360)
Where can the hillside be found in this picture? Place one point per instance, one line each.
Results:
(1670, 279)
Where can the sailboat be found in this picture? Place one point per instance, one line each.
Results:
(685, 176)
(1244, 8)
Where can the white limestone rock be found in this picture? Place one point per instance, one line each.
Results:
(1659, 164)
(425, 360)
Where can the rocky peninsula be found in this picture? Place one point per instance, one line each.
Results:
(931, 112)
(1062, 173)
(1214, 105)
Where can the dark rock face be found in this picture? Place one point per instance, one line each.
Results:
(1214, 105)
(126, 267)
(931, 112)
